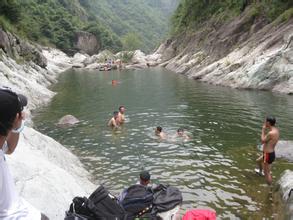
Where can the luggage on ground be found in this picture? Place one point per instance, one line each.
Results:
(101, 205)
(166, 198)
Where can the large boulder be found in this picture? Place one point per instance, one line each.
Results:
(86, 42)
(138, 57)
(286, 187)
(67, 121)
(284, 149)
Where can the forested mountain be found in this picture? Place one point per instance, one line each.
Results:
(145, 22)
(192, 14)
(119, 24)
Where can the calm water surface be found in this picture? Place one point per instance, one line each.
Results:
(214, 169)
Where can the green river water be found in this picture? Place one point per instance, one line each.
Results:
(214, 169)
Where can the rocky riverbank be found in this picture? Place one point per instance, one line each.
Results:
(246, 53)
(46, 174)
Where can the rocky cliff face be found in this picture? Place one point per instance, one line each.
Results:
(86, 42)
(21, 50)
(247, 52)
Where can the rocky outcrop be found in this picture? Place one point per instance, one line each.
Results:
(86, 42)
(248, 52)
(48, 175)
(286, 187)
(38, 161)
(67, 121)
(20, 49)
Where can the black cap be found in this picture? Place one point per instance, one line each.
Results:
(10, 103)
(145, 175)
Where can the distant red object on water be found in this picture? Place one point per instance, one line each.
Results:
(114, 82)
(200, 214)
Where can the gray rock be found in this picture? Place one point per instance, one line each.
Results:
(5, 43)
(284, 150)
(86, 42)
(67, 121)
(286, 188)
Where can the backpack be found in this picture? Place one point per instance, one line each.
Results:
(137, 200)
(166, 198)
(99, 206)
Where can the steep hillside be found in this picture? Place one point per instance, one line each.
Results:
(117, 24)
(53, 22)
(242, 44)
(147, 20)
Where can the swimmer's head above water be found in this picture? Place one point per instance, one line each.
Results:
(121, 109)
(158, 130)
(115, 114)
(180, 132)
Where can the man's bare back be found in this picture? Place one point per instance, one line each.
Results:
(272, 139)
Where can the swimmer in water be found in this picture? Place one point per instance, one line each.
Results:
(180, 133)
(121, 116)
(160, 133)
(114, 122)
(114, 82)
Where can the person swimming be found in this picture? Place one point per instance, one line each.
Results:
(114, 121)
(159, 132)
(121, 116)
(180, 133)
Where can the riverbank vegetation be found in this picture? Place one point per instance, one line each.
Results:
(54, 22)
(192, 14)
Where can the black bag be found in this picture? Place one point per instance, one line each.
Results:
(138, 200)
(101, 205)
(166, 198)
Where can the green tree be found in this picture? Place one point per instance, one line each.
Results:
(131, 41)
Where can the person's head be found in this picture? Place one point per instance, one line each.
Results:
(121, 109)
(10, 105)
(180, 132)
(115, 114)
(158, 130)
(144, 178)
(270, 121)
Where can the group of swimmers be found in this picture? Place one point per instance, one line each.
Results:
(119, 118)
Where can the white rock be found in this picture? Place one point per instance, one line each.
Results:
(286, 187)
(48, 175)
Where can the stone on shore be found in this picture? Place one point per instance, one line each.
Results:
(286, 187)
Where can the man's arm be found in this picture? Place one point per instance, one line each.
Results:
(265, 138)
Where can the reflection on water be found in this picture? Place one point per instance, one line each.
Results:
(213, 169)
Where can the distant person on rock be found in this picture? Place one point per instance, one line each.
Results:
(159, 132)
(269, 138)
(114, 121)
(121, 115)
(11, 124)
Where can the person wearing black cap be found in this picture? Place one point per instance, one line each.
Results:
(144, 178)
(11, 124)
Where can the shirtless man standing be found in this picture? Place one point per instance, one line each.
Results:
(269, 142)
(114, 122)
(121, 115)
